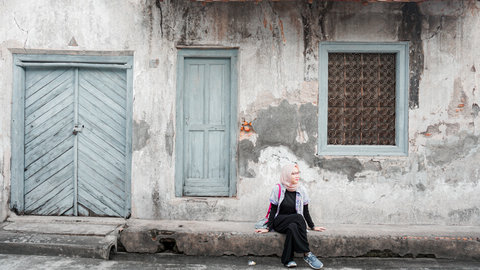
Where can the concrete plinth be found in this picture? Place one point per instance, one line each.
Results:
(340, 240)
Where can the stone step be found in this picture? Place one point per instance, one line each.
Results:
(60, 236)
(99, 247)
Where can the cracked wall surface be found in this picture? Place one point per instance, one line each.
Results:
(437, 183)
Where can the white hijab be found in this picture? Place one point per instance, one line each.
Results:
(286, 177)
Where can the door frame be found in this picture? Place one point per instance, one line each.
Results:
(229, 53)
(20, 62)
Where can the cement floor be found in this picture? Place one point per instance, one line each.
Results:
(169, 261)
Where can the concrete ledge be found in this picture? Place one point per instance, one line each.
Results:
(57, 245)
(340, 240)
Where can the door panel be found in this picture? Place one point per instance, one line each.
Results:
(102, 142)
(49, 104)
(195, 154)
(206, 136)
(195, 93)
(216, 160)
(216, 95)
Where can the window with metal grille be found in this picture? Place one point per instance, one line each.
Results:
(363, 98)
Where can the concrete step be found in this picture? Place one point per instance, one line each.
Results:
(340, 240)
(64, 236)
(98, 247)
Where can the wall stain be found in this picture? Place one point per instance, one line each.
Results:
(141, 134)
(451, 129)
(372, 165)
(394, 170)
(420, 163)
(444, 153)
(1, 167)
(459, 98)
(183, 33)
(279, 126)
(462, 216)
(411, 30)
(158, 3)
(276, 125)
(281, 30)
(192, 28)
(348, 166)
(432, 129)
(452, 181)
(308, 121)
(313, 21)
(169, 137)
(200, 208)
(421, 187)
(475, 110)
(156, 201)
(246, 152)
(148, 22)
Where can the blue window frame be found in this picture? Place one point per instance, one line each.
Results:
(398, 145)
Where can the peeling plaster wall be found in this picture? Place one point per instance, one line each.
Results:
(278, 91)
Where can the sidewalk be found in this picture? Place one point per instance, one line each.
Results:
(97, 237)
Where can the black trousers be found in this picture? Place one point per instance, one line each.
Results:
(294, 227)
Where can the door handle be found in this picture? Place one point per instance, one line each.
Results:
(77, 128)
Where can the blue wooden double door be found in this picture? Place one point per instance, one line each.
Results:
(75, 153)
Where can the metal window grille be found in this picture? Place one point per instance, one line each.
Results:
(361, 98)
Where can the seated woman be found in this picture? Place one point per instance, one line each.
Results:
(288, 215)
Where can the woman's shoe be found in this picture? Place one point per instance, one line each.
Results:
(313, 261)
(291, 264)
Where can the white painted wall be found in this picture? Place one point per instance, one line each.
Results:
(437, 183)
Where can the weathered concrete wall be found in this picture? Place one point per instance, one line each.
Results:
(278, 90)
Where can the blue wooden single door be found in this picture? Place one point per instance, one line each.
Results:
(206, 127)
(75, 141)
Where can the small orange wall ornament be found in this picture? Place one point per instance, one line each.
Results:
(246, 126)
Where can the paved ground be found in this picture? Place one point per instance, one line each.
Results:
(170, 261)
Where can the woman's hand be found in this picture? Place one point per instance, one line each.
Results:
(261, 230)
(319, 229)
